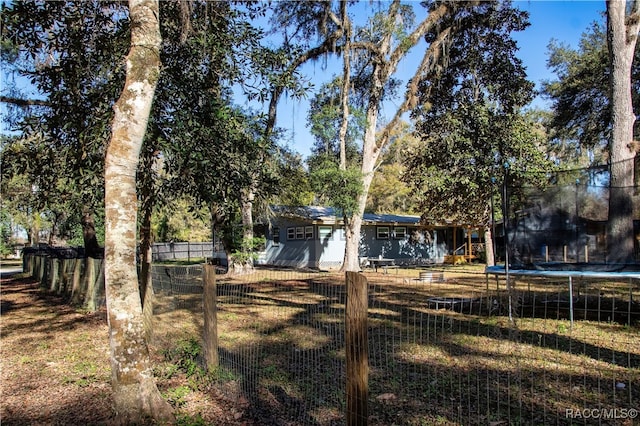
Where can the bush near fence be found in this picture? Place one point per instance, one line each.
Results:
(464, 350)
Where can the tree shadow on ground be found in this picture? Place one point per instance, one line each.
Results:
(291, 368)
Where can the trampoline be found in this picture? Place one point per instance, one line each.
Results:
(572, 271)
(568, 270)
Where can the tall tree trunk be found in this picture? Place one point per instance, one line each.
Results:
(246, 211)
(622, 34)
(54, 225)
(34, 231)
(91, 246)
(370, 154)
(346, 82)
(488, 246)
(136, 395)
(386, 59)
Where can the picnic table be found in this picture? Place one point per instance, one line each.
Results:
(384, 263)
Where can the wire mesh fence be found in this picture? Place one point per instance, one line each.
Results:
(445, 346)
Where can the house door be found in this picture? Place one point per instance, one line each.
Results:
(331, 245)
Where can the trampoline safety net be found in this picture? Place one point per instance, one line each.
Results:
(566, 219)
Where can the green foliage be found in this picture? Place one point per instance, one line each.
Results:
(337, 188)
(72, 232)
(248, 247)
(456, 171)
(472, 127)
(187, 420)
(197, 143)
(388, 192)
(325, 118)
(581, 118)
(295, 187)
(214, 151)
(181, 220)
(6, 246)
(187, 356)
(165, 370)
(71, 52)
(177, 396)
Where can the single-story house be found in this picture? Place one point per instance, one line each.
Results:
(314, 237)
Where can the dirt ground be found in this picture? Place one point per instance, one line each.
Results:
(55, 370)
(54, 359)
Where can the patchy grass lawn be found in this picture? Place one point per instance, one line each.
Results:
(281, 337)
(281, 346)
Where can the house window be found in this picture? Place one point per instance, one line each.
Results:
(343, 234)
(400, 232)
(324, 232)
(276, 236)
(300, 233)
(382, 232)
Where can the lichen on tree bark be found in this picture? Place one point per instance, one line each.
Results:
(136, 395)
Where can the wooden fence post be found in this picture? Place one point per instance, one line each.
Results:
(76, 280)
(357, 349)
(54, 268)
(210, 338)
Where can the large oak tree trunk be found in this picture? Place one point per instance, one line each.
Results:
(370, 154)
(136, 395)
(622, 34)
(385, 63)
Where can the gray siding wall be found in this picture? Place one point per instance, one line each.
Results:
(328, 252)
(298, 253)
(418, 250)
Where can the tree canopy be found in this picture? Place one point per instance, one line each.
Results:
(469, 121)
(581, 119)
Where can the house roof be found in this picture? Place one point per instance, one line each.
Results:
(328, 215)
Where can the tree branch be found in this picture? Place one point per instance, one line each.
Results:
(23, 102)
(431, 56)
(328, 45)
(413, 38)
(632, 22)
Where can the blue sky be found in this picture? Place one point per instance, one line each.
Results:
(564, 21)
